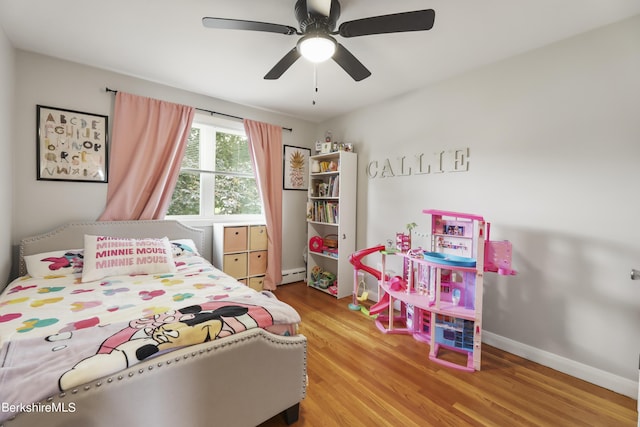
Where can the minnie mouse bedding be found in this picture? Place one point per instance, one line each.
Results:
(58, 331)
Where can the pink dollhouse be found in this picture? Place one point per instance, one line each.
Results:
(440, 291)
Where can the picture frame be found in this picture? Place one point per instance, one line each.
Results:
(71, 145)
(454, 230)
(325, 148)
(295, 170)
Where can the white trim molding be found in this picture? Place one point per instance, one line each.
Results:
(588, 373)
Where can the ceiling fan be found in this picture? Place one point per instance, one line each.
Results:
(317, 19)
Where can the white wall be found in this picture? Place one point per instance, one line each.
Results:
(554, 140)
(41, 205)
(7, 66)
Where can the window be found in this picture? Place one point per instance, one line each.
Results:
(216, 177)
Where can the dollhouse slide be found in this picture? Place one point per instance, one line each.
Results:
(381, 305)
(356, 260)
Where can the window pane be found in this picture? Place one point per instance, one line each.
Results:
(186, 196)
(192, 152)
(217, 159)
(232, 153)
(235, 195)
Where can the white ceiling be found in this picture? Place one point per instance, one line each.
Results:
(164, 41)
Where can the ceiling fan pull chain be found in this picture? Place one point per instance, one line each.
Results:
(315, 82)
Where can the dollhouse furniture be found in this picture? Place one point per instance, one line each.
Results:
(440, 290)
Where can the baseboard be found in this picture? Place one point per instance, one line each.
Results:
(587, 373)
(293, 275)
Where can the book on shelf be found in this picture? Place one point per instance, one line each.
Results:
(334, 186)
(322, 211)
(321, 188)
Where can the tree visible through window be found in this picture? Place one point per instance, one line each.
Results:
(216, 177)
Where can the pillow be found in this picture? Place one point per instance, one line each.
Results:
(184, 248)
(112, 256)
(56, 262)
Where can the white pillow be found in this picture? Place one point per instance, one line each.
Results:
(112, 256)
(54, 263)
(184, 248)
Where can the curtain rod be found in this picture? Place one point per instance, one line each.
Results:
(211, 112)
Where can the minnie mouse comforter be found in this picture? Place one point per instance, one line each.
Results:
(57, 332)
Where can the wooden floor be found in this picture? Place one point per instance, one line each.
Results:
(361, 377)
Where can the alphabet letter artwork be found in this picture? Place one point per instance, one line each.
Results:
(71, 145)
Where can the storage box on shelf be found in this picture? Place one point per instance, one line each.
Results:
(331, 221)
(440, 293)
(240, 250)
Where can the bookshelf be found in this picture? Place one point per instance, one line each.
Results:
(331, 216)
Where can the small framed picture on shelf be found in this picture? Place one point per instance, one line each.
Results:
(326, 148)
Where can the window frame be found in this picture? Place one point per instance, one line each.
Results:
(210, 123)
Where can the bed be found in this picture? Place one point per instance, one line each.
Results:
(188, 346)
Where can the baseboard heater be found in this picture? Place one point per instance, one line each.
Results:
(293, 275)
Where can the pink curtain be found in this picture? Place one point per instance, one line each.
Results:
(265, 145)
(148, 143)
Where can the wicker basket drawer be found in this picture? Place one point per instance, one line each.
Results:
(257, 263)
(258, 237)
(235, 265)
(235, 239)
(256, 283)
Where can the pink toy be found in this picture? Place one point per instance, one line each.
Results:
(498, 257)
(403, 242)
(396, 283)
(356, 260)
(356, 257)
(439, 295)
(381, 305)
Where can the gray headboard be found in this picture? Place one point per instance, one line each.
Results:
(71, 236)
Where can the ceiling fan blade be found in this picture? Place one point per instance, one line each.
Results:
(239, 24)
(419, 20)
(350, 63)
(319, 7)
(283, 65)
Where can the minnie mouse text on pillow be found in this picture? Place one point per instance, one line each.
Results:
(112, 256)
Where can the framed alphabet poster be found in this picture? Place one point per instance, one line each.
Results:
(71, 145)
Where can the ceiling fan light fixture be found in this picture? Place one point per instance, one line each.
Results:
(317, 47)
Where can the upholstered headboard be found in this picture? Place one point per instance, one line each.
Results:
(71, 236)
